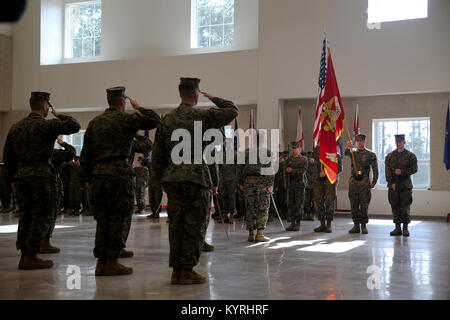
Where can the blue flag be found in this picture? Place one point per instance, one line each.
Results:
(447, 139)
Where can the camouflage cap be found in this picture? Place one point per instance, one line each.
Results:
(37, 95)
(116, 92)
(189, 84)
(399, 137)
(295, 144)
(360, 136)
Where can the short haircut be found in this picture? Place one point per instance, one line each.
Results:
(36, 103)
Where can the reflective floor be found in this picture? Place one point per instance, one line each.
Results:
(294, 265)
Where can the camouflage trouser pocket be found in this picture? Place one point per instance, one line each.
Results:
(263, 203)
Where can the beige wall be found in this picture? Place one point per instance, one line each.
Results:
(433, 105)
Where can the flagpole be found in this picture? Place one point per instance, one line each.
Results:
(351, 149)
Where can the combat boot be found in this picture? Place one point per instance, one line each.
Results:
(207, 247)
(364, 229)
(189, 276)
(328, 227)
(153, 216)
(320, 228)
(126, 253)
(48, 248)
(114, 268)
(260, 237)
(31, 262)
(355, 229)
(397, 231)
(100, 267)
(175, 278)
(251, 236)
(405, 230)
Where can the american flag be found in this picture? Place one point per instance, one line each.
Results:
(322, 82)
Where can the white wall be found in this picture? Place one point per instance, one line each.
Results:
(152, 78)
(404, 56)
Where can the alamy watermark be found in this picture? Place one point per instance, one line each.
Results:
(257, 146)
(373, 282)
(73, 273)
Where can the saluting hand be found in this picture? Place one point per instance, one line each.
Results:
(210, 97)
(270, 189)
(60, 141)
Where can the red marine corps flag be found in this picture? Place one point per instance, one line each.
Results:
(329, 115)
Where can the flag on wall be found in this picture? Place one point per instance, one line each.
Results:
(329, 116)
(447, 139)
(300, 128)
(356, 129)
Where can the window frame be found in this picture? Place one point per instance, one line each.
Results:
(67, 39)
(373, 23)
(378, 186)
(194, 30)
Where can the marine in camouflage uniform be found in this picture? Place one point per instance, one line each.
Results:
(400, 164)
(65, 172)
(141, 184)
(155, 193)
(296, 167)
(59, 156)
(324, 193)
(257, 189)
(311, 173)
(140, 144)
(359, 183)
(27, 153)
(188, 186)
(106, 168)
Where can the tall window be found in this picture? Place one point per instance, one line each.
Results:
(417, 136)
(212, 23)
(394, 10)
(83, 29)
(76, 140)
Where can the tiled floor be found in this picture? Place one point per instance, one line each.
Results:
(295, 265)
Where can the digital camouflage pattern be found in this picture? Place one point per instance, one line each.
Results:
(27, 154)
(299, 165)
(155, 193)
(325, 192)
(400, 199)
(280, 188)
(257, 197)
(104, 161)
(188, 185)
(359, 191)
